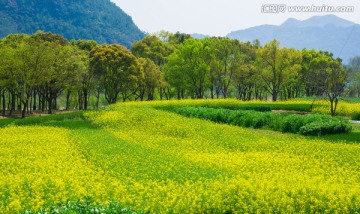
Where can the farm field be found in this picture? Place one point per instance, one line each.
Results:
(150, 160)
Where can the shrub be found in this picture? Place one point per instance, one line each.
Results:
(5, 122)
(324, 128)
(315, 124)
(355, 116)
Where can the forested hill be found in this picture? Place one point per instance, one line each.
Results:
(99, 20)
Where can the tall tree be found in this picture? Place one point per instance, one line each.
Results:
(228, 59)
(151, 78)
(335, 81)
(246, 77)
(191, 65)
(87, 79)
(117, 68)
(14, 74)
(277, 65)
(152, 47)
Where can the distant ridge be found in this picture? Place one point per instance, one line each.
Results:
(199, 36)
(99, 20)
(328, 33)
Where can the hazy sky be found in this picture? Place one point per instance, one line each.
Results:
(220, 17)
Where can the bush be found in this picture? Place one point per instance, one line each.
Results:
(355, 116)
(5, 122)
(324, 128)
(315, 124)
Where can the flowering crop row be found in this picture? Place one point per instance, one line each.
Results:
(157, 161)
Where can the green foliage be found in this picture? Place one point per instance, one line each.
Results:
(87, 205)
(153, 48)
(72, 19)
(263, 107)
(304, 124)
(188, 67)
(325, 127)
(150, 78)
(117, 69)
(279, 66)
(51, 120)
(5, 122)
(355, 116)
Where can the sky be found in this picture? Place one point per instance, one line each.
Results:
(220, 17)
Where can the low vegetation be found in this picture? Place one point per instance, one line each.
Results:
(313, 124)
(137, 157)
(355, 116)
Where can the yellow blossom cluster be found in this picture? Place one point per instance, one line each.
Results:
(343, 108)
(188, 165)
(41, 165)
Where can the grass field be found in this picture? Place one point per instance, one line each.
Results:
(147, 159)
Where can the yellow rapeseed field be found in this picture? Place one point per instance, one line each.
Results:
(153, 160)
(343, 108)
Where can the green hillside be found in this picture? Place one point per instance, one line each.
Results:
(99, 20)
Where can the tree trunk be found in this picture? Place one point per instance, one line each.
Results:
(34, 106)
(55, 103)
(80, 100)
(161, 93)
(97, 99)
(274, 95)
(151, 94)
(50, 106)
(179, 94)
(13, 103)
(68, 94)
(31, 100)
(43, 101)
(23, 113)
(50, 102)
(333, 105)
(85, 99)
(3, 103)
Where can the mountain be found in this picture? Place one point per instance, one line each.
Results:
(328, 33)
(199, 36)
(99, 20)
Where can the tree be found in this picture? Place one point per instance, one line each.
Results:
(323, 75)
(63, 65)
(334, 83)
(151, 78)
(190, 65)
(228, 59)
(314, 64)
(277, 65)
(117, 68)
(87, 79)
(354, 74)
(246, 77)
(152, 47)
(16, 78)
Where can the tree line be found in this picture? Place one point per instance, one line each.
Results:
(36, 70)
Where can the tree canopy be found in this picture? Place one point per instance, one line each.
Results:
(36, 70)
